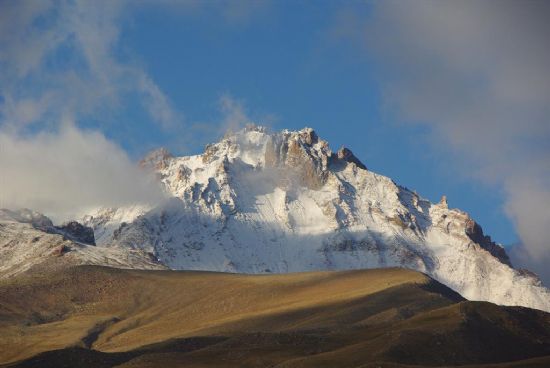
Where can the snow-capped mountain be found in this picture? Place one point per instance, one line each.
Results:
(261, 202)
(29, 240)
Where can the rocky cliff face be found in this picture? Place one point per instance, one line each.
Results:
(260, 202)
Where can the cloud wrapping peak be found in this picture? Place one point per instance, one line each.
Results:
(69, 171)
(234, 113)
(58, 66)
(478, 74)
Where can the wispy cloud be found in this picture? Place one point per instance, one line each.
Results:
(478, 74)
(234, 115)
(59, 59)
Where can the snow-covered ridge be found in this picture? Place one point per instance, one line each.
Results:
(28, 240)
(259, 202)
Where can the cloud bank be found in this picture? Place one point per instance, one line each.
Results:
(478, 74)
(69, 171)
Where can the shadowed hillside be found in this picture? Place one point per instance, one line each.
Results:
(101, 317)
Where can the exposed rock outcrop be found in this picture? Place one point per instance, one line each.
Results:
(156, 160)
(77, 232)
(345, 154)
(302, 154)
(443, 202)
(475, 232)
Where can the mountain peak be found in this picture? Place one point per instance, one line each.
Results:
(308, 136)
(251, 127)
(262, 202)
(348, 156)
(156, 159)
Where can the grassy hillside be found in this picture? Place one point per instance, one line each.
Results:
(101, 317)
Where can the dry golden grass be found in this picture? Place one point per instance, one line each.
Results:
(205, 319)
(156, 306)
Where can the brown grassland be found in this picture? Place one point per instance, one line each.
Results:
(91, 316)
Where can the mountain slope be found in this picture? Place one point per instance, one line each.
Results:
(91, 316)
(29, 241)
(260, 202)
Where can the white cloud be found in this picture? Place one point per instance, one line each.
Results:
(478, 74)
(66, 172)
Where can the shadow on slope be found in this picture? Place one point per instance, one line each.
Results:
(390, 317)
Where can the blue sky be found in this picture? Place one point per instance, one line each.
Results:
(444, 97)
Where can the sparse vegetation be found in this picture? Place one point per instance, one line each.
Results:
(91, 316)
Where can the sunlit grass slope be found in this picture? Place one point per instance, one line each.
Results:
(101, 317)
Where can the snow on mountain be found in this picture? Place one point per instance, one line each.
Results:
(28, 240)
(105, 221)
(261, 202)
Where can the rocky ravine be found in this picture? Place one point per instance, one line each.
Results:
(261, 202)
